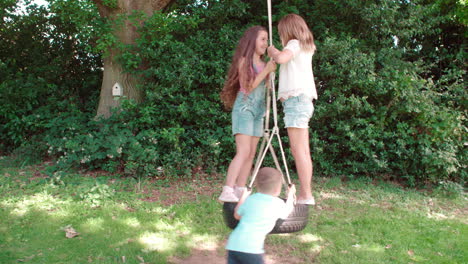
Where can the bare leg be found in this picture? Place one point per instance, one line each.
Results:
(238, 170)
(247, 167)
(299, 141)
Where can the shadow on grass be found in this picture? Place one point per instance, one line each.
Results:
(371, 225)
(32, 228)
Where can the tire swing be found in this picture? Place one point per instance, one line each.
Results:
(297, 219)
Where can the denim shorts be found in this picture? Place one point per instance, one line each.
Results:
(297, 111)
(248, 113)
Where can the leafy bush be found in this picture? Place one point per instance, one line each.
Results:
(45, 65)
(119, 145)
(381, 120)
(380, 112)
(450, 189)
(391, 91)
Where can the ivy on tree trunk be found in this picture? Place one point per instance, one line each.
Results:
(126, 34)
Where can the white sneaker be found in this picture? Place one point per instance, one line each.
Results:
(238, 191)
(228, 195)
(310, 201)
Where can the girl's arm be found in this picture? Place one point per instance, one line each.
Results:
(270, 67)
(245, 194)
(280, 57)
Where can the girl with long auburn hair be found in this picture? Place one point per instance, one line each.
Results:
(244, 92)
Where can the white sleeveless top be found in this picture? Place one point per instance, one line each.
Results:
(296, 76)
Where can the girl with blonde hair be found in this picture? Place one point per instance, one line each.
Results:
(296, 92)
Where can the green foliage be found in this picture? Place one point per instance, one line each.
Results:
(110, 3)
(378, 112)
(450, 189)
(96, 194)
(44, 66)
(390, 76)
(379, 117)
(119, 144)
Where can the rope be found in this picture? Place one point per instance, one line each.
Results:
(267, 138)
(270, 31)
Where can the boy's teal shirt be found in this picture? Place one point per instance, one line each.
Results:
(258, 214)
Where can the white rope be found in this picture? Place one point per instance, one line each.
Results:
(270, 31)
(267, 138)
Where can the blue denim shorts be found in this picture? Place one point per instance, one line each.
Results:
(297, 111)
(248, 113)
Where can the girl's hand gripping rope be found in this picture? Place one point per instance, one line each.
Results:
(270, 67)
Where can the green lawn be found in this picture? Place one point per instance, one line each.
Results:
(354, 222)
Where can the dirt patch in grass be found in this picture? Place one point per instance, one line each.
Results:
(200, 257)
(182, 191)
(214, 256)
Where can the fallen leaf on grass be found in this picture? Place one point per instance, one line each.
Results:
(388, 246)
(411, 252)
(70, 232)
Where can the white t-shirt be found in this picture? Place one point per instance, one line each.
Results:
(296, 76)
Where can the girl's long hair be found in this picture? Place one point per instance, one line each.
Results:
(245, 50)
(293, 26)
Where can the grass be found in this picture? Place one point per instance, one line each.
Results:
(354, 222)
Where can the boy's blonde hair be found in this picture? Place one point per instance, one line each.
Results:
(293, 26)
(268, 180)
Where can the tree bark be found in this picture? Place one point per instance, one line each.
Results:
(126, 34)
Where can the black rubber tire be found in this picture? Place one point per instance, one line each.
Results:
(295, 222)
(228, 213)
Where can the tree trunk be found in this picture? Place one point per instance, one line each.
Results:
(113, 73)
(127, 35)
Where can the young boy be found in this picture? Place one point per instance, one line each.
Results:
(258, 214)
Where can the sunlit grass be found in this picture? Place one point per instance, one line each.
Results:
(307, 238)
(157, 242)
(352, 223)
